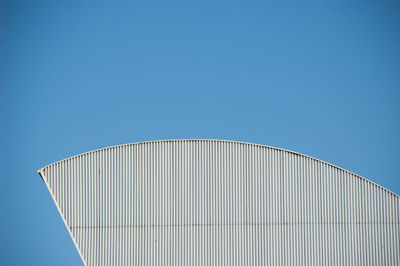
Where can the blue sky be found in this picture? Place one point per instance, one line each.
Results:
(319, 79)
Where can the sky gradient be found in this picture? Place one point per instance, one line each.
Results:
(319, 79)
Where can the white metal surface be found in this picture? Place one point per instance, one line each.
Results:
(212, 202)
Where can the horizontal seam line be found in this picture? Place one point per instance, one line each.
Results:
(209, 225)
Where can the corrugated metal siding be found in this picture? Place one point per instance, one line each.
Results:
(210, 202)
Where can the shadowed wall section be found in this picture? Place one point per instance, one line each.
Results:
(212, 202)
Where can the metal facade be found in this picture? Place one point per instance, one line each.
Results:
(212, 202)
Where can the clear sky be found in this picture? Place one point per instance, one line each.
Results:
(319, 79)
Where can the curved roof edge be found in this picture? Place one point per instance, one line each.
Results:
(217, 140)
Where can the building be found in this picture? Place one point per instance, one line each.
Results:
(212, 202)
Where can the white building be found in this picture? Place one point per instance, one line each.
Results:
(212, 202)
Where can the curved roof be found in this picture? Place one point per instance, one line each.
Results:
(217, 201)
(219, 140)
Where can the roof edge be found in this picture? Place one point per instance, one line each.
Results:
(62, 215)
(40, 171)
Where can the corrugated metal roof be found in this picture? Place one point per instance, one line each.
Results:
(181, 202)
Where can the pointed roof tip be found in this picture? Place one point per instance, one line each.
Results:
(40, 171)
